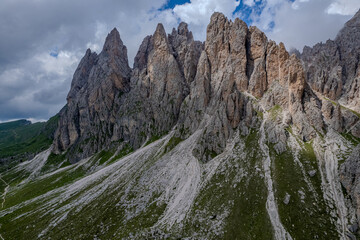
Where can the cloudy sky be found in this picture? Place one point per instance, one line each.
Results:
(42, 41)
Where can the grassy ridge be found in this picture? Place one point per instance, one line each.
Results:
(21, 137)
(17, 132)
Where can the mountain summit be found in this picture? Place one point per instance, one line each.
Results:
(231, 138)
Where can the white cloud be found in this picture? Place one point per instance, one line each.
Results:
(249, 3)
(38, 86)
(60, 65)
(344, 7)
(35, 84)
(302, 22)
(197, 13)
(11, 78)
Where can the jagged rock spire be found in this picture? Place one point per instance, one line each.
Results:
(115, 52)
(97, 82)
(160, 40)
(112, 40)
(81, 74)
(236, 62)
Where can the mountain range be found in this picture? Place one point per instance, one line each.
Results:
(230, 138)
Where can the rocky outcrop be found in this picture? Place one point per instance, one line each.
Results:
(97, 83)
(224, 85)
(349, 175)
(238, 67)
(333, 67)
(111, 104)
(332, 70)
(185, 50)
(256, 66)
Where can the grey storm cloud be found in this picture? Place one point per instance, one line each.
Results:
(42, 41)
(33, 82)
(29, 25)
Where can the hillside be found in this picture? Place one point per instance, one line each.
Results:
(20, 140)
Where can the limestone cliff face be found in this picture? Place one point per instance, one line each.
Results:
(332, 70)
(333, 67)
(240, 75)
(229, 83)
(111, 104)
(97, 83)
(350, 178)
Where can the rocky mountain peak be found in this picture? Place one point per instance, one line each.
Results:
(113, 41)
(333, 67)
(160, 40)
(349, 34)
(217, 17)
(96, 85)
(354, 21)
(114, 55)
(183, 29)
(81, 74)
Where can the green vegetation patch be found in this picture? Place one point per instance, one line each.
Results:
(153, 139)
(172, 143)
(38, 187)
(210, 154)
(21, 137)
(54, 162)
(260, 114)
(305, 216)
(125, 151)
(238, 188)
(13, 176)
(275, 111)
(351, 138)
(104, 156)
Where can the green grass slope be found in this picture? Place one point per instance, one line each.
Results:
(22, 136)
(127, 194)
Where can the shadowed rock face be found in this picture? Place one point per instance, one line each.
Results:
(333, 67)
(111, 103)
(350, 177)
(332, 70)
(97, 82)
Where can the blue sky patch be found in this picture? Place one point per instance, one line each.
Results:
(54, 53)
(172, 3)
(246, 11)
